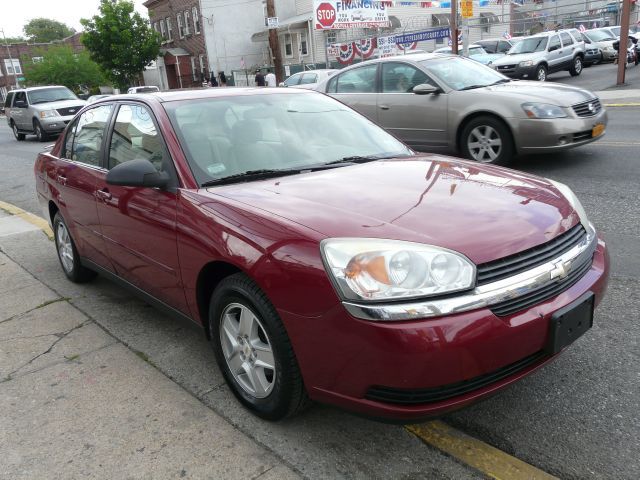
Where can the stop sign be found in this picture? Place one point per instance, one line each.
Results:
(325, 15)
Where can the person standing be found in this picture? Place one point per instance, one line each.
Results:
(259, 79)
(270, 78)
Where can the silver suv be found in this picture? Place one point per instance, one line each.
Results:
(537, 56)
(40, 111)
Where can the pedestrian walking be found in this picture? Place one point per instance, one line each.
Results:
(270, 78)
(223, 79)
(213, 81)
(259, 79)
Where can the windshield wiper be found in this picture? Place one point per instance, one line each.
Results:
(252, 175)
(502, 80)
(471, 87)
(366, 158)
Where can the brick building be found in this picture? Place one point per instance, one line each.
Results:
(14, 57)
(183, 59)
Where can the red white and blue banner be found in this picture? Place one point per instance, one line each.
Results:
(341, 14)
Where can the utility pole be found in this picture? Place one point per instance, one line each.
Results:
(13, 68)
(624, 39)
(453, 22)
(274, 43)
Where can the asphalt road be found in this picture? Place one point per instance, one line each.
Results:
(576, 418)
(599, 77)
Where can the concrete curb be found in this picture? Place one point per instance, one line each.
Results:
(39, 222)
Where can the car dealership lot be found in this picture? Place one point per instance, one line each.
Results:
(576, 418)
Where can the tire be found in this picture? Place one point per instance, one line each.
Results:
(487, 139)
(270, 393)
(541, 73)
(68, 253)
(19, 136)
(576, 67)
(41, 135)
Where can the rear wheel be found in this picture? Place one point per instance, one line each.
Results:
(487, 140)
(40, 133)
(68, 254)
(576, 67)
(19, 136)
(541, 73)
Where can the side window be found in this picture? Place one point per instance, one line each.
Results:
(68, 142)
(332, 85)
(358, 80)
(7, 102)
(135, 137)
(309, 78)
(566, 39)
(554, 43)
(293, 80)
(490, 47)
(87, 138)
(21, 97)
(503, 47)
(401, 78)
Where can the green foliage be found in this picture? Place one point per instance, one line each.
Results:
(120, 41)
(43, 30)
(11, 40)
(61, 66)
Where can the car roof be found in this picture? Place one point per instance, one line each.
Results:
(202, 93)
(40, 88)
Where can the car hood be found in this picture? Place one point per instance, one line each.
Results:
(484, 212)
(487, 58)
(603, 44)
(555, 93)
(61, 104)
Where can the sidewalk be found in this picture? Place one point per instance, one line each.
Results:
(68, 411)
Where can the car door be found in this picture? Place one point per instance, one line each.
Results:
(76, 176)
(555, 58)
(568, 47)
(357, 87)
(19, 110)
(418, 120)
(138, 223)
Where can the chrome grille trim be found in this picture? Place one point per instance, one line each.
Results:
(589, 108)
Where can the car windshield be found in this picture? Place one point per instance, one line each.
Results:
(240, 135)
(475, 51)
(461, 73)
(53, 94)
(616, 30)
(598, 35)
(529, 45)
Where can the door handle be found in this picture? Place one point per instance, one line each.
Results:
(62, 180)
(104, 195)
(384, 107)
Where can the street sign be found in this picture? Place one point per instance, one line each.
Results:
(272, 22)
(466, 8)
(325, 15)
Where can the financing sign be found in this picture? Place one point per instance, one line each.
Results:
(342, 14)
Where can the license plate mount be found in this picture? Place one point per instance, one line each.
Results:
(570, 323)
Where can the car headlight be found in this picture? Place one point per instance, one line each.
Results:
(574, 202)
(378, 269)
(528, 63)
(543, 110)
(49, 113)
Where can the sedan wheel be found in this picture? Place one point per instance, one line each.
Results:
(487, 139)
(68, 253)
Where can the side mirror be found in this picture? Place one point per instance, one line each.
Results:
(20, 104)
(425, 89)
(137, 173)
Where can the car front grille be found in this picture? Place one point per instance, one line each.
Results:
(592, 52)
(65, 112)
(436, 394)
(588, 108)
(586, 135)
(526, 260)
(505, 68)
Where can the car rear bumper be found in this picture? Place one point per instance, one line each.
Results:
(542, 136)
(467, 356)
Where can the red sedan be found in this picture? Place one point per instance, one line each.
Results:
(323, 258)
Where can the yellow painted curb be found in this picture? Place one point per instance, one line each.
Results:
(39, 222)
(485, 458)
(622, 104)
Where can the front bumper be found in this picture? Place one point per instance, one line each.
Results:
(543, 136)
(428, 353)
(55, 124)
(516, 71)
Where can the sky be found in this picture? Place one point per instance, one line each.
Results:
(16, 13)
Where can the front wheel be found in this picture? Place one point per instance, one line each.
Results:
(253, 350)
(40, 133)
(541, 73)
(576, 67)
(68, 253)
(19, 136)
(487, 140)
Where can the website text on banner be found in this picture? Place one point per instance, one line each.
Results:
(342, 14)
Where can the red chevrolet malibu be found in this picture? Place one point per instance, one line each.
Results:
(323, 258)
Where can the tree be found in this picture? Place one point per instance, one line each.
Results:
(11, 40)
(120, 41)
(62, 66)
(44, 30)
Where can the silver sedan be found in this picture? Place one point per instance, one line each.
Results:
(447, 103)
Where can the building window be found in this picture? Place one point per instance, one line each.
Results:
(163, 31)
(288, 45)
(187, 17)
(180, 25)
(12, 67)
(196, 20)
(202, 69)
(36, 59)
(169, 34)
(332, 37)
(193, 69)
(304, 49)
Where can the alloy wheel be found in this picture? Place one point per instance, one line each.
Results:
(247, 350)
(65, 248)
(577, 65)
(542, 75)
(484, 144)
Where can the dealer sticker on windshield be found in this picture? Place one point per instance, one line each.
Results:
(597, 130)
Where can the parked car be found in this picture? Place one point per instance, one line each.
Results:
(437, 102)
(40, 111)
(495, 45)
(476, 52)
(308, 79)
(537, 56)
(143, 89)
(95, 98)
(322, 257)
(603, 41)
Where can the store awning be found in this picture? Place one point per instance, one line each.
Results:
(440, 19)
(299, 21)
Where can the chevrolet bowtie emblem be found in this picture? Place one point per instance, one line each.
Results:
(560, 270)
